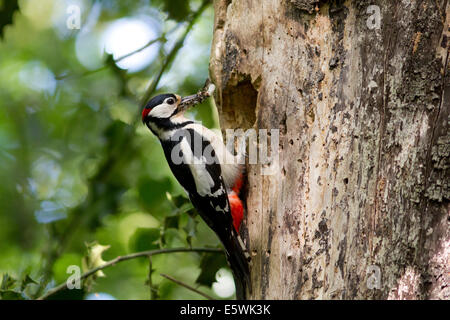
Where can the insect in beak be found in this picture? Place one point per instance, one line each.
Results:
(188, 101)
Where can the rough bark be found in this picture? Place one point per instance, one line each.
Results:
(363, 172)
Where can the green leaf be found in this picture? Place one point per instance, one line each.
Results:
(7, 282)
(61, 265)
(210, 263)
(152, 193)
(120, 74)
(191, 228)
(26, 281)
(171, 238)
(11, 289)
(186, 208)
(10, 295)
(177, 10)
(171, 222)
(179, 200)
(145, 239)
(7, 10)
(166, 287)
(94, 259)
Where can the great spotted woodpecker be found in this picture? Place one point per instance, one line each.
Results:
(208, 172)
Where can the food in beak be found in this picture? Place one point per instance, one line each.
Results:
(189, 100)
(204, 93)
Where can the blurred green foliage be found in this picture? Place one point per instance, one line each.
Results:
(76, 164)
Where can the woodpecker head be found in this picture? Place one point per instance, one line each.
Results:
(165, 107)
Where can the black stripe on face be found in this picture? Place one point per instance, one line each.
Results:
(174, 112)
(166, 123)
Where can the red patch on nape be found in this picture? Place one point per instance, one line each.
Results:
(145, 112)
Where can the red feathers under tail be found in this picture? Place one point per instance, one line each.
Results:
(238, 262)
(237, 208)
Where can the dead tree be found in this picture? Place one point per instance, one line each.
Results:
(358, 207)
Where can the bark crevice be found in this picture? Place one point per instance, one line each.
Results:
(363, 169)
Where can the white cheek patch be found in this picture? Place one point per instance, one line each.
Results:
(163, 110)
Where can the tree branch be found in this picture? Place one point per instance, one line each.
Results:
(118, 259)
(186, 286)
(172, 54)
(89, 72)
(153, 289)
(127, 136)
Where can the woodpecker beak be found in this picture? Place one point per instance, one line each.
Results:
(189, 100)
(186, 102)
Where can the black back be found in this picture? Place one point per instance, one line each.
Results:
(210, 207)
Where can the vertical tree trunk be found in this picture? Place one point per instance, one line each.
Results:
(359, 205)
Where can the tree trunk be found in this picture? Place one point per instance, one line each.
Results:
(358, 207)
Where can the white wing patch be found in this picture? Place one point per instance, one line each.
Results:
(218, 208)
(203, 181)
(230, 165)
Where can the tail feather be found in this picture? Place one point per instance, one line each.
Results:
(238, 258)
(237, 255)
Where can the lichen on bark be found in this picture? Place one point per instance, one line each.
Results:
(363, 113)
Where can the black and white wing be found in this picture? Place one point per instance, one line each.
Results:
(200, 174)
(196, 167)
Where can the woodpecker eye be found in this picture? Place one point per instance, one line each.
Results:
(170, 101)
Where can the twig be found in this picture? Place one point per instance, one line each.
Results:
(153, 290)
(140, 49)
(200, 96)
(109, 163)
(118, 259)
(171, 56)
(148, 44)
(186, 286)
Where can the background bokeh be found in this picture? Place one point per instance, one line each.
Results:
(76, 164)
